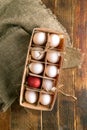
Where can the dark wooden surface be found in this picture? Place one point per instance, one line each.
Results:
(67, 114)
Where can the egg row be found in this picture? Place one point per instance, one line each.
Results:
(40, 38)
(33, 97)
(38, 53)
(36, 82)
(38, 68)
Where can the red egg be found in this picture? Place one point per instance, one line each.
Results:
(34, 82)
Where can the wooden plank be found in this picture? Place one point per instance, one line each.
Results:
(24, 119)
(65, 13)
(49, 119)
(5, 120)
(80, 41)
(67, 100)
(66, 113)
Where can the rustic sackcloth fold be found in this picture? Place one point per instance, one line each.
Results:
(17, 20)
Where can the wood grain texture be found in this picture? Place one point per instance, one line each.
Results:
(66, 113)
(65, 13)
(24, 119)
(67, 100)
(80, 41)
(50, 119)
(5, 120)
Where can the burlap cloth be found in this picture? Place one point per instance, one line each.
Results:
(17, 20)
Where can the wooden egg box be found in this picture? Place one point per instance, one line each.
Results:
(43, 75)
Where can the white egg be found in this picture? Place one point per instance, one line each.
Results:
(45, 99)
(52, 71)
(37, 53)
(47, 84)
(54, 40)
(31, 96)
(39, 38)
(36, 68)
(53, 56)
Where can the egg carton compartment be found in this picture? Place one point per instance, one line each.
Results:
(47, 100)
(39, 38)
(33, 82)
(52, 71)
(31, 97)
(56, 41)
(40, 70)
(36, 68)
(54, 57)
(37, 53)
(48, 85)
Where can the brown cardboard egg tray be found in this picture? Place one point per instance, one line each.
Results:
(29, 59)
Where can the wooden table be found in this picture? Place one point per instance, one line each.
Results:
(68, 114)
